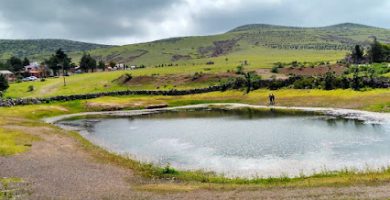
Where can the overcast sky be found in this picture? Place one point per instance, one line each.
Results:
(131, 21)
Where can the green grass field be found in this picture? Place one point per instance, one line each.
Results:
(102, 81)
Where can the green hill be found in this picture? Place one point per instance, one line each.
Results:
(29, 48)
(259, 44)
(254, 43)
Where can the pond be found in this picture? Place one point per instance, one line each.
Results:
(244, 143)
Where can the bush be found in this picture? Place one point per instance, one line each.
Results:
(275, 69)
(240, 69)
(304, 83)
(30, 88)
(197, 75)
(329, 81)
(169, 170)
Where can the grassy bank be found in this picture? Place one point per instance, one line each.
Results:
(377, 100)
(17, 121)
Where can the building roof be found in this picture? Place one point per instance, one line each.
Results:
(5, 72)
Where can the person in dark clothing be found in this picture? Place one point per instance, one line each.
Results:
(271, 99)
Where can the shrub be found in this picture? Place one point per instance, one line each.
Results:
(295, 64)
(356, 83)
(168, 170)
(329, 81)
(197, 75)
(240, 69)
(304, 83)
(275, 69)
(30, 88)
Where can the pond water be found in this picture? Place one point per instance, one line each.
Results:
(244, 143)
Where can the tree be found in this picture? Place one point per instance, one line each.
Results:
(92, 64)
(57, 61)
(112, 64)
(3, 66)
(52, 63)
(102, 65)
(251, 81)
(87, 63)
(357, 54)
(26, 61)
(3, 84)
(15, 65)
(356, 80)
(375, 52)
(63, 60)
(329, 81)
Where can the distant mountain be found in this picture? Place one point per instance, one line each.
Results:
(250, 27)
(26, 48)
(335, 37)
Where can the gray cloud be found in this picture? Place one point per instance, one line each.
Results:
(128, 21)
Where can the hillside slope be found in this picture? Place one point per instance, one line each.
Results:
(253, 42)
(260, 45)
(28, 48)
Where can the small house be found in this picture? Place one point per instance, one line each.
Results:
(33, 69)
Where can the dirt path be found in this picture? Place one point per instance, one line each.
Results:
(58, 168)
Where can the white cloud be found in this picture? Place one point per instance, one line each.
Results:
(129, 21)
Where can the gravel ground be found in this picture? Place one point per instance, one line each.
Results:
(57, 168)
